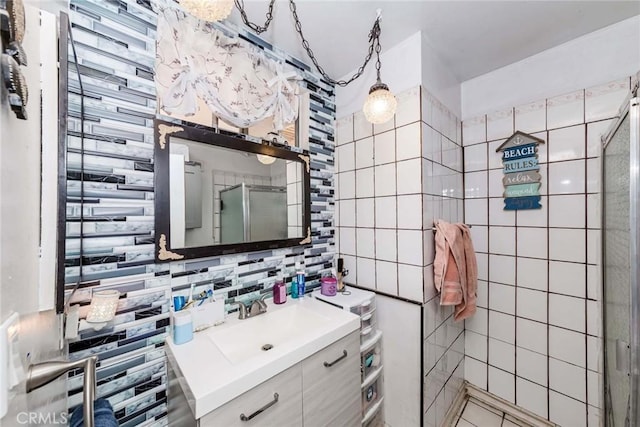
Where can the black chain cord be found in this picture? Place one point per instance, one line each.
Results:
(257, 28)
(374, 41)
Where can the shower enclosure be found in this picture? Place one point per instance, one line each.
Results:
(621, 269)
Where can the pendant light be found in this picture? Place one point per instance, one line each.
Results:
(208, 10)
(265, 160)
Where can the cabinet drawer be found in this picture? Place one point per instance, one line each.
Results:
(285, 412)
(331, 385)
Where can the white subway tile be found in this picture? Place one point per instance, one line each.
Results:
(482, 294)
(365, 186)
(567, 244)
(476, 346)
(386, 245)
(409, 175)
(385, 212)
(476, 211)
(475, 158)
(594, 416)
(347, 240)
(348, 213)
(496, 188)
(384, 148)
(567, 211)
(595, 132)
(594, 282)
(594, 318)
(475, 372)
(565, 110)
(531, 117)
(347, 183)
(568, 379)
(385, 180)
(410, 247)
(502, 326)
(567, 143)
(595, 354)
(567, 177)
(532, 397)
(502, 240)
(500, 124)
(476, 185)
(494, 160)
(532, 273)
(365, 210)
(502, 384)
(532, 366)
(497, 214)
(364, 153)
(408, 142)
(387, 277)
(365, 242)
(532, 336)
(428, 246)
(361, 127)
(344, 130)
(532, 242)
(593, 175)
(384, 127)
(474, 130)
(429, 287)
(410, 282)
(483, 266)
(594, 220)
(531, 304)
(408, 110)
(568, 278)
(478, 322)
(567, 312)
(366, 273)
(480, 238)
(431, 144)
(345, 157)
(568, 346)
(502, 298)
(604, 101)
(410, 212)
(502, 355)
(565, 411)
(502, 269)
(535, 217)
(594, 385)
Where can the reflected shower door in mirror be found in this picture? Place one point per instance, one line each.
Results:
(218, 194)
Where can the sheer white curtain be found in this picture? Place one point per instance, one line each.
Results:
(233, 77)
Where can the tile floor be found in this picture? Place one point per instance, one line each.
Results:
(477, 414)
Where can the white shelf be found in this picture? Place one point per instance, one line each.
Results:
(372, 411)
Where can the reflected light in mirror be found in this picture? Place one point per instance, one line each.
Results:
(265, 160)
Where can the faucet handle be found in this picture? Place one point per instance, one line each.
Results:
(242, 309)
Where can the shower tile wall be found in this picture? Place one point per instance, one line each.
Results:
(115, 43)
(536, 338)
(394, 180)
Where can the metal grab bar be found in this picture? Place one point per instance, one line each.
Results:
(43, 373)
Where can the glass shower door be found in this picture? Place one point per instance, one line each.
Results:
(620, 261)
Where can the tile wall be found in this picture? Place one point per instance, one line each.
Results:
(116, 54)
(393, 180)
(536, 338)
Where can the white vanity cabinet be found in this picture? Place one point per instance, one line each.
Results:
(331, 385)
(275, 402)
(322, 390)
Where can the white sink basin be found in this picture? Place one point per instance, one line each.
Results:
(267, 332)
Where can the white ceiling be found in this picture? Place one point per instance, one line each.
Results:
(472, 37)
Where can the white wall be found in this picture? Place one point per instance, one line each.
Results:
(400, 70)
(437, 78)
(604, 55)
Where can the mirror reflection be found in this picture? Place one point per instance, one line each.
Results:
(224, 196)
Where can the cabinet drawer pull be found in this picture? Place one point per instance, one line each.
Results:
(330, 364)
(243, 417)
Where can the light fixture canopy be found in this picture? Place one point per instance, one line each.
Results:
(265, 160)
(380, 105)
(208, 10)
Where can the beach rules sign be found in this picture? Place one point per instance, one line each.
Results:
(521, 172)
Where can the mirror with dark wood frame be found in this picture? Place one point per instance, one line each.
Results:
(218, 194)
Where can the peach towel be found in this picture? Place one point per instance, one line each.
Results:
(455, 268)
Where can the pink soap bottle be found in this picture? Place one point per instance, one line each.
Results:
(279, 293)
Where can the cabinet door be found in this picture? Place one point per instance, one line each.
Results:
(258, 407)
(331, 385)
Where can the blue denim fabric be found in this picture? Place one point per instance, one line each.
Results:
(102, 414)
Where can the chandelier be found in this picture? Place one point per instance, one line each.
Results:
(380, 105)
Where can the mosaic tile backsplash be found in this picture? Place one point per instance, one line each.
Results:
(115, 44)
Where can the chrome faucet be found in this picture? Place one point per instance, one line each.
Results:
(42, 374)
(256, 308)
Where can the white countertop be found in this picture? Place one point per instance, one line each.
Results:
(209, 379)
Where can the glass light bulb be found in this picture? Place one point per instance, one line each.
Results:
(265, 160)
(380, 106)
(208, 10)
